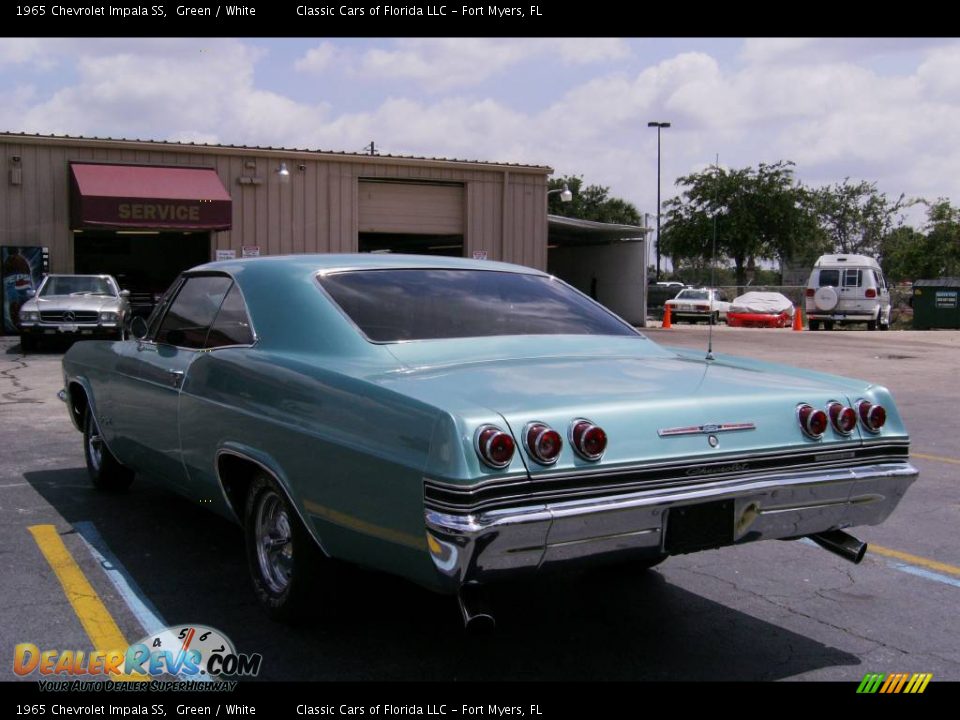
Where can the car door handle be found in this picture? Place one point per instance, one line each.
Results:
(176, 377)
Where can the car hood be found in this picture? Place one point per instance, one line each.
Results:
(98, 303)
(635, 394)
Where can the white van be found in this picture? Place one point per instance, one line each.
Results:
(847, 289)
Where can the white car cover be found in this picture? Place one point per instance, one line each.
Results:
(766, 303)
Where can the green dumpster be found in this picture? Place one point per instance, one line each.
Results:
(936, 303)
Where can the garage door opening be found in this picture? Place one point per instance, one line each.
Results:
(145, 263)
(449, 245)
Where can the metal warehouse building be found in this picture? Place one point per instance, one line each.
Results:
(145, 210)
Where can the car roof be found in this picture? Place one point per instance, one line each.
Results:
(846, 260)
(318, 263)
(102, 275)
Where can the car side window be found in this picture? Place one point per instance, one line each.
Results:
(852, 277)
(192, 312)
(232, 325)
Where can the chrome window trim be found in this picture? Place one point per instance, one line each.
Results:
(534, 273)
(177, 286)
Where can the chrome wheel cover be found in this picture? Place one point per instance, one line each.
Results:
(95, 445)
(274, 542)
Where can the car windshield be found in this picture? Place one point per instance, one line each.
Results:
(693, 295)
(393, 305)
(77, 285)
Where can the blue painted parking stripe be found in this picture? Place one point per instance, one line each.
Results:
(146, 613)
(924, 573)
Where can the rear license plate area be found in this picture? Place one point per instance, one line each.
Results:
(699, 527)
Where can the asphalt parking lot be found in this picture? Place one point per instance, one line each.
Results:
(766, 611)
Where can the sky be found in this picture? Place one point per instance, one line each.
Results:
(881, 110)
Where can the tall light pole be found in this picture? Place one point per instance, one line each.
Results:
(658, 126)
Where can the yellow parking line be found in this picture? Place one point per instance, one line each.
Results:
(97, 621)
(915, 560)
(937, 458)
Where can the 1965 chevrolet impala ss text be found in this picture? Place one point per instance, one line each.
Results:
(455, 422)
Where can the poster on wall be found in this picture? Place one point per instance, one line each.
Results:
(251, 251)
(226, 255)
(22, 269)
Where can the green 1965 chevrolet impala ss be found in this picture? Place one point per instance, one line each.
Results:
(455, 422)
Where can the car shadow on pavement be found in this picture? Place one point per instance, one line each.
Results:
(592, 625)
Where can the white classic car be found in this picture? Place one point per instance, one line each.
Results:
(695, 304)
(74, 306)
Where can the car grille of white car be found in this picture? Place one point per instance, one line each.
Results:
(69, 316)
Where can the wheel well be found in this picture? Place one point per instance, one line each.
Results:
(78, 403)
(236, 473)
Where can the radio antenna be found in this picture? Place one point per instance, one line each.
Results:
(713, 260)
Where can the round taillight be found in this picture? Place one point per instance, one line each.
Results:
(843, 418)
(872, 416)
(588, 440)
(543, 443)
(494, 446)
(812, 421)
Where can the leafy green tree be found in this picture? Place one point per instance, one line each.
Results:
(759, 214)
(590, 202)
(855, 217)
(911, 255)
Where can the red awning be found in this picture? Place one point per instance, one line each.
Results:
(148, 197)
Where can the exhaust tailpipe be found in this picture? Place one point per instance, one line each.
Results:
(842, 544)
(477, 616)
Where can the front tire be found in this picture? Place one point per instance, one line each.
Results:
(283, 558)
(105, 471)
(28, 343)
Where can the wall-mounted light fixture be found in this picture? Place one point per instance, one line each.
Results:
(565, 194)
(16, 171)
(283, 175)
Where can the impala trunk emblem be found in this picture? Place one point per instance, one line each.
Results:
(708, 429)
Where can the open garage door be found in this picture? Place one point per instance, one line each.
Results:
(408, 217)
(145, 263)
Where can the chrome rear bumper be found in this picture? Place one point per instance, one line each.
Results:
(491, 544)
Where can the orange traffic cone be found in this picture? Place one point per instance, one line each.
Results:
(666, 318)
(797, 320)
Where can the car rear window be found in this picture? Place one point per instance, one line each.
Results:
(424, 304)
(829, 278)
(693, 295)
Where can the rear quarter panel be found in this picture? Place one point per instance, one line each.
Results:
(351, 454)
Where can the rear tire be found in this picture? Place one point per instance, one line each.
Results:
(106, 472)
(283, 558)
(828, 324)
(813, 324)
(872, 324)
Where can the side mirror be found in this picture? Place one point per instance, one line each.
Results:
(124, 293)
(138, 328)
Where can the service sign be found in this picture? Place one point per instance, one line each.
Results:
(250, 251)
